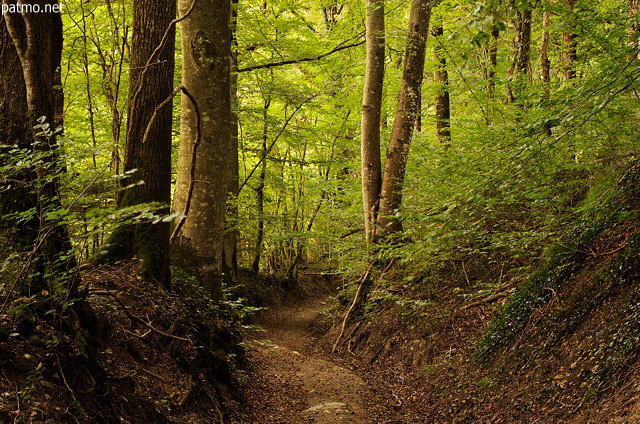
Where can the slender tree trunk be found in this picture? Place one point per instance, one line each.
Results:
(545, 64)
(570, 47)
(260, 189)
(231, 233)
(493, 60)
(206, 72)
(441, 81)
(521, 63)
(371, 112)
(402, 131)
(151, 82)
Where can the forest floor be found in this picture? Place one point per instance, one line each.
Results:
(296, 380)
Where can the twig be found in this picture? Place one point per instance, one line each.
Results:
(136, 318)
(153, 374)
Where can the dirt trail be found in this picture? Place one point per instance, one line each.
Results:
(296, 382)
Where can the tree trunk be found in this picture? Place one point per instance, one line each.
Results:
(151, 82)
(441, 81)
(260, 189)
(634, 28)
(570, 47)
(15, 130)
(371, 112)
(206, 63)
(230, 248)
(521, 63)
(37, 40)
(493, 60)
(545, 64)
(402, 131)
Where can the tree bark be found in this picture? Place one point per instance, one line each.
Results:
(441, 81)
(206, 66)
(151, 82)
(402, 131)
(371, 112)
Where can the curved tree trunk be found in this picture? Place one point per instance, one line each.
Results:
(402, 131)
(206, 63)
(371, 111)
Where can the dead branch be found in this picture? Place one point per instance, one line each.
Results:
(347, 315)
(196, 143)
(306, 59)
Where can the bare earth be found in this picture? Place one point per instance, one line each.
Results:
(294, 381)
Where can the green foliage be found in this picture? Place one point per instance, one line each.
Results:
(564, 260)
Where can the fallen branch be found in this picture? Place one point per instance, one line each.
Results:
(347, 315)
(137, 318)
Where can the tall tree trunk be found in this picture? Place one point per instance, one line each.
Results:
(441, 81)
(37, 41)
(151, 82)
(15, 130)
(402, 131)
(570, 47)
(230, 248)
(371, 112)
(260, 188)
(206, 72)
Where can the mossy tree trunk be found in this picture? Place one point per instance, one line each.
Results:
(151, 82)
(206, 66)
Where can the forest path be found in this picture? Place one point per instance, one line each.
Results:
(295, 381)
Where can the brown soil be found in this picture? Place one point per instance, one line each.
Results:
(295, 380)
